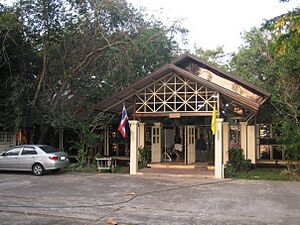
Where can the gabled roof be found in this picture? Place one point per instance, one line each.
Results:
(189, 57)
(126, 95)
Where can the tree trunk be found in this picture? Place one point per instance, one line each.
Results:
(43, 132)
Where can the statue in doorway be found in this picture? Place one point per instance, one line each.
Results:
(177, 148)
(177, 138)
(201, 149)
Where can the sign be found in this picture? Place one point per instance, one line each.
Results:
(174, 115)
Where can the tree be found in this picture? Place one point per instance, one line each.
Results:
(286, 49)
(77, 52)
(215, 56)
(14, 80)
(270, 58)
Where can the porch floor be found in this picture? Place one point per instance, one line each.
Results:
(201, 170)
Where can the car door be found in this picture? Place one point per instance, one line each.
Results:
(9, 161)
(27, 158)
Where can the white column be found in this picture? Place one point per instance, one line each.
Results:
(141, 135)
(106, 140)
(219, 167)
(244, 138)
(251, 143)
(133, 146)
(225, 142)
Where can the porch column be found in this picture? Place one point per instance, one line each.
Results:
(225, 142)
(133, 146)
(219, 167)
(251, 143)
(141, 135)
(244, 138)
(106, 140)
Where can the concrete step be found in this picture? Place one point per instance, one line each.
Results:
(197, 172)
(170, 165)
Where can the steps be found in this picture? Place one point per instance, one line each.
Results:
(181, 166)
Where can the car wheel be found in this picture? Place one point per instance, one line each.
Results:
(37, 169)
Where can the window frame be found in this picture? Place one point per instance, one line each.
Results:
(6, 138)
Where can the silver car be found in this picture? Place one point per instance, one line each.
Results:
(35, 158)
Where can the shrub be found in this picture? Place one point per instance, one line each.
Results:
(237, 162)
(230, 171)
(144, 157)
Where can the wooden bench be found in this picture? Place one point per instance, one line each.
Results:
(109, 162)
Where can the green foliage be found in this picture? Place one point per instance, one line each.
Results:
(98, 155)
(15, 81)
(144, 157)
(237, 159)
(87, 138)
(62, 57)
(266, 174)
(292, 172)
(270, 58)
(291, 141)
(215, 56)
(230, 171)
(237, 163)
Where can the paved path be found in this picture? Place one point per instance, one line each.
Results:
(76, 198)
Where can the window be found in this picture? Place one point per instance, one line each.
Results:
(13, 152)
(29, 151)
(269, 144)
(5, 138)
(48, 149)
(235, 136)
(148, 135)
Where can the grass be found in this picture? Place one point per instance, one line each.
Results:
(266, 174)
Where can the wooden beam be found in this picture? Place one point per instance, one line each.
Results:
(182, 114)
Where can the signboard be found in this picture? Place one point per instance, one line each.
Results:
(174, 115)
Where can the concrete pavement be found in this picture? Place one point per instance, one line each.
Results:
(78, 198)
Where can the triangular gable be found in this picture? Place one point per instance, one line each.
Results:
(191, 67)
(195, 65)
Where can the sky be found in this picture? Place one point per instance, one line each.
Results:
(215, 23)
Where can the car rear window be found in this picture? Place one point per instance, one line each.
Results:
(49, 149)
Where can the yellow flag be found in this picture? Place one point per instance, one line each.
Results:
(213, 120)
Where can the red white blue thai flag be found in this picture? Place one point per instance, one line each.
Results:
(123, 122)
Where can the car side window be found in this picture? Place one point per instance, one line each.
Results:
(29, 151)
(13, 152)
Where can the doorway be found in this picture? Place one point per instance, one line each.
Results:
(178, 144)
(204, 131)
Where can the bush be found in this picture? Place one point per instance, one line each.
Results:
(144, 157)
(237, 162)
(230, 171)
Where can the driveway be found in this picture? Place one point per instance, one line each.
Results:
(78, 198)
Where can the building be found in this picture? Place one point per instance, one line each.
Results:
(174, 105)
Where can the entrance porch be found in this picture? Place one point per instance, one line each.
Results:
(193, 90)
(162, 159)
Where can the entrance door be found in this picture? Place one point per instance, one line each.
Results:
(190, 144)
(205, 130)
(156, 144)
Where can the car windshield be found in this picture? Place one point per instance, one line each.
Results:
(49, 149)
